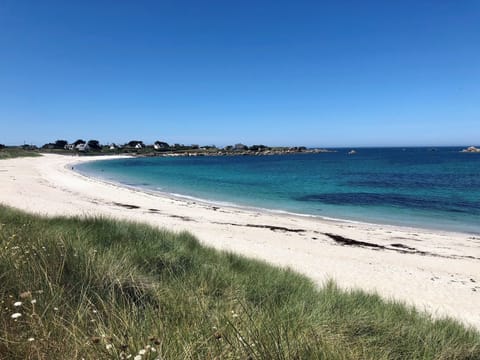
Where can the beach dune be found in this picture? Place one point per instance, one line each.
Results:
(433, 270)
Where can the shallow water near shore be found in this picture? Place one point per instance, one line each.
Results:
(420, 187)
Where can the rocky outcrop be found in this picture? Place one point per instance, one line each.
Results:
(471, 149)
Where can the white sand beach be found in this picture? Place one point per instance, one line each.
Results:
(436, 271)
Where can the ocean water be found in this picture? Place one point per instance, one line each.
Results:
(422, 187)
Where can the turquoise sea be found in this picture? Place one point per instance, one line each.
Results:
(422, 187)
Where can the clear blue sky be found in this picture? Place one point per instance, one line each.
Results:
(315, 73)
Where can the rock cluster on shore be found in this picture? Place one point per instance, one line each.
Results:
(222, 152)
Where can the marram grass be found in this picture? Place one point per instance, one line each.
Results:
(9, 153)
(74, 288)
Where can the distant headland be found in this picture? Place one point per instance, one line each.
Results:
(162, 148)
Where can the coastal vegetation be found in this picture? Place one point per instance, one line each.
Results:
(162, 148)
(14, 152)
(95, 288)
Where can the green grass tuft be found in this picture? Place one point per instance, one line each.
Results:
(14, 152)
(103, 289)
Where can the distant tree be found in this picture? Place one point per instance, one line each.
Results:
(79, 141)
(2, 146)
(240, 147)
(48, 146)
(209, 147)
(94, 145)
(257, 148)
(228, 148)
(134, 143)
(60, 144)
(161, 145)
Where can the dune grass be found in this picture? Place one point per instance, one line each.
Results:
(102, 289)
(15, 152)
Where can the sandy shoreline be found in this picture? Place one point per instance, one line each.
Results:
(434, 270)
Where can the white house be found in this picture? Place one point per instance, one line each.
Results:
(82, 147)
